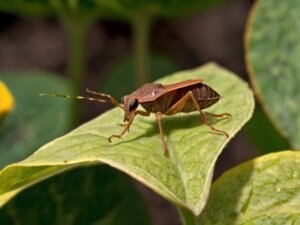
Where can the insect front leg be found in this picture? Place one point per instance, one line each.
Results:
(127, 125)
(142, 113)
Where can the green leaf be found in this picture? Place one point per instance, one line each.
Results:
(120, 79)
(183, 178)
(273, 49)
(83, 196)
(34, 119)
(265, 190)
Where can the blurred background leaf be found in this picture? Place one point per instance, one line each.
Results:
(265, 190)
(35, 120)
(96, 195)
(273, 50)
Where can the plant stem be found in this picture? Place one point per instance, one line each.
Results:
(187, 217)
(76, 32)
(141, 30)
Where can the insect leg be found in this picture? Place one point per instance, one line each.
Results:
(127, 125)
(111, 99)
(204, 119)
(179, 105)
(158, 119)
(140, 112)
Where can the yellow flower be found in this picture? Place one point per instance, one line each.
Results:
(6, 100)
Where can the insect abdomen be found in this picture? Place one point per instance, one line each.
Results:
(204, 95)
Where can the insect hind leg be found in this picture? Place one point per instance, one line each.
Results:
(180, 104)
(204, 118)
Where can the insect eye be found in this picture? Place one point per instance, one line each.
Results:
(133, 104)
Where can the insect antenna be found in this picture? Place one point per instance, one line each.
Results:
(74, 97)
(111, 99)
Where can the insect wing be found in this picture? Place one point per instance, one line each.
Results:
(152, 91)
(182, 84)
(149, 92)
(156, 93)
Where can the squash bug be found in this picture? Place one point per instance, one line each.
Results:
(186, 96)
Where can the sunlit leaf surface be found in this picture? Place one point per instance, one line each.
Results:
(265, 190)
